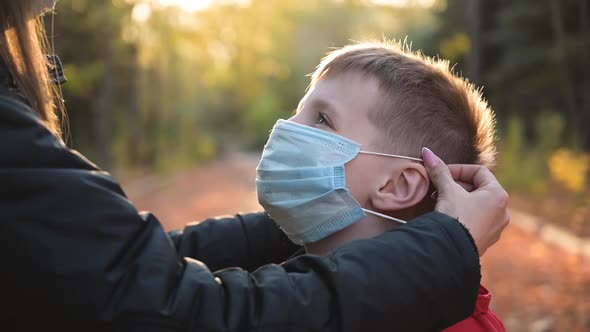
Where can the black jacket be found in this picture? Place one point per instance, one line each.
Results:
(246, 241)
(76, 255)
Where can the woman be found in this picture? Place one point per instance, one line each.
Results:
(77, 254)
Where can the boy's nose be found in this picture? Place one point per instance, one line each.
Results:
(300, 119)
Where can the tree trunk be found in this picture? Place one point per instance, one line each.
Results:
(105, 102)
(584, 124)
(134, 115)
(474, 19)
(565, 78)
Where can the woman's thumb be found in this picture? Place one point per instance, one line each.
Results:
(437, 171)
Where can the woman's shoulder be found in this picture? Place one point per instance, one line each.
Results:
(15, 111)
(25, 141)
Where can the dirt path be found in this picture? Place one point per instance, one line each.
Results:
(535, 286)
(222, 187)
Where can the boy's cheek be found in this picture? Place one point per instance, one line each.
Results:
(359, 179)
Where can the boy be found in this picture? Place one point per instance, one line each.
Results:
(348, 162)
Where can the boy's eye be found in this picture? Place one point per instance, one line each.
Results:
(323, 120)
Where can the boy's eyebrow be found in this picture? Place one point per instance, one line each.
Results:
(325, 106)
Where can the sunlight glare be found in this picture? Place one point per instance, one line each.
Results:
(394, 3)
(141, 12)
(427, 3)
(192, 6)
(403, 3)
(187, 5)
(143, 8)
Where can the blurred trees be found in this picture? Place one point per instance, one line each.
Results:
(155, 86)
(532, 57)
(540, 63)
(100, 66)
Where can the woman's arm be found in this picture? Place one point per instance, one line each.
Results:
(76, 253)
(255, 241)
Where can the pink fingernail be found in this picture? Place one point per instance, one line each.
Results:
(430, 159)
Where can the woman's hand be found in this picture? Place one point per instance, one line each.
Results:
(483, 210)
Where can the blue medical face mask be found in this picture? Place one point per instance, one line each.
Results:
(301, 181)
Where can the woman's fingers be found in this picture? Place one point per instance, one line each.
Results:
(483, 204)
(438, 172)
(477, 175)
(469, 187)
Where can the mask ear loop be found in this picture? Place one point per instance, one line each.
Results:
(386, 216)
(58, 70)
(391, 155)
(55, 66)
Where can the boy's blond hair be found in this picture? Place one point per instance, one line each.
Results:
(424, 102)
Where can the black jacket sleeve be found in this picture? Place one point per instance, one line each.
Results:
(76, 255)
(255, 240)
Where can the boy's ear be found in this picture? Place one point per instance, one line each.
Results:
(401, 189)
